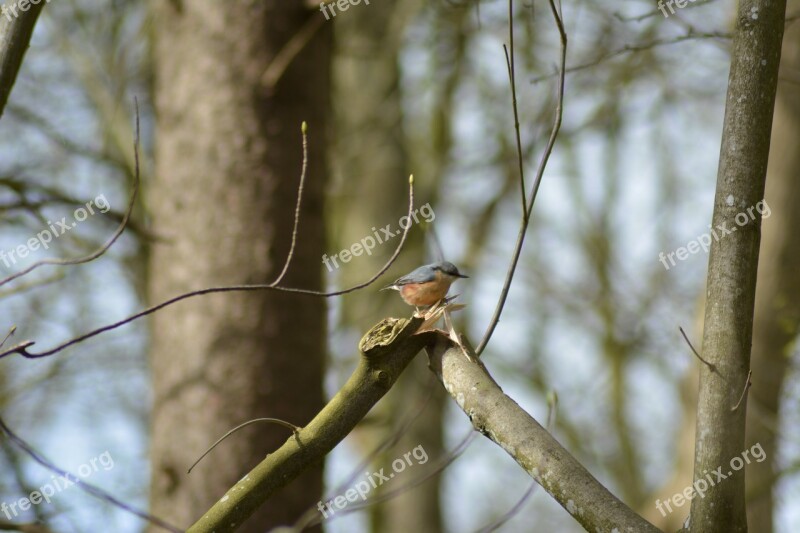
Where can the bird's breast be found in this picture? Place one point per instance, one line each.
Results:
(423, 293)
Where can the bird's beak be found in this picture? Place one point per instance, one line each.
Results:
(461, 276)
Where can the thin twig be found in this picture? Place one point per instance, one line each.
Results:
(443, 462)
(536, 182)
(22, 348)
(8, 335)
(100, 251)
(278, 421)
(30, 285)
(308, 517)
(31, 527)
(628, 48)
(512, 80)
(511, 513)
(303, 131)
(552, 409)
(747, 384)
(649, 14)
(281, 61)
(711, 366)
(83, 485)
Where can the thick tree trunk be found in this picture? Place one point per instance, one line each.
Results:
(227, 165)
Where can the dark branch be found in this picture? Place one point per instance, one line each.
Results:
(690, 34)
(709, 365)
(22, 348)
(237, 428)
(100, 251)
(536, 182)
(83, 485)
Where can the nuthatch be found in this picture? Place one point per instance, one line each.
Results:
(426, 285)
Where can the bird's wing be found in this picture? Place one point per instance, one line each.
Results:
(420, 275)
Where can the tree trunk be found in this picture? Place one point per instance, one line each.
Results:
(732, 267)
(777, 317)
(227, 166)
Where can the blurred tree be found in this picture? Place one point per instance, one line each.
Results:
(228, 157)
(370, 154)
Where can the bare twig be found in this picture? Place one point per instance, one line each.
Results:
(284, 58)
(709, 365)
(303, 131)
(512, 80)
(511, 513)
(8, 335)
(32, 527)
(628, 48)
(713, 368)
(31, 284)
(278, 421)
(443, 462)
(747, 384)
(22, 348)
(100, 251)
(308, 518)
(552, 409)
(653, 13)
(83, 485)
(536, 182)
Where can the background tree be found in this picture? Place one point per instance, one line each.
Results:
(227, 160)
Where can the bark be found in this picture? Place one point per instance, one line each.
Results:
(386, 350)
(227, 164)
(502, 420)
(777, 316)
(733, 265)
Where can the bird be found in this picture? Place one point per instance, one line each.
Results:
(427, 284)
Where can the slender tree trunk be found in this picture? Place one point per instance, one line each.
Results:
(733, 265)
(777, 317)
(228, 158)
